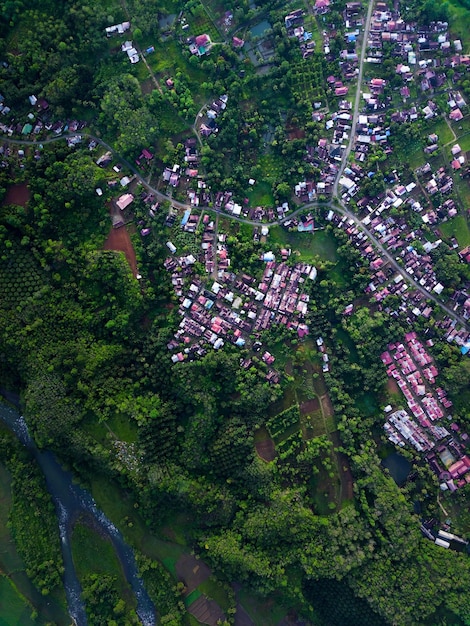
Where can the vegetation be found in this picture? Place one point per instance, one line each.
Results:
(32, 520)
(169, 449)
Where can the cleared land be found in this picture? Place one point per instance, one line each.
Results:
(14, 609)
(458, 228)
(120, 241)
(17, 194)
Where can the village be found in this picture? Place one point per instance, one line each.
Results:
(234, 308)
(443, 444)
(405, 219)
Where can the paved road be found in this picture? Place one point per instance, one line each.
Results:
(357, 99)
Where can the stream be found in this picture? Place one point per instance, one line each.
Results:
(70, 501)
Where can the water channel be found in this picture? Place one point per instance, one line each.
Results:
(70, 501)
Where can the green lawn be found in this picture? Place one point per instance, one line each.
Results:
(461, 127)
(14, 608)
(123, 427)
(459, 22)
(264, 612)
(413, 154)
(442, 130)
(214, 590)
(309, 246)
(50, 609)
(260, 194)
(457, 227)
(93, 554)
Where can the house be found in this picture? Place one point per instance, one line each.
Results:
(456, 115)
(237, 42)
(200, 45)
(124, 201)
(117, 29)
(132, 53)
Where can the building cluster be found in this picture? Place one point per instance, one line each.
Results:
(324, 355)
(294, 23)
(210, 115)
(386, 281)
(37, 122)
(117, 29)
(327, 155)
(130, 50)
(200, 45)
(233, 308)
(415, 373)
(407, 39)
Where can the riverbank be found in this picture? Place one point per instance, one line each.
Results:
(71, 500)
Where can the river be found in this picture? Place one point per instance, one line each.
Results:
(70, 501)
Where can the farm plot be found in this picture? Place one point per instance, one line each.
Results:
(20, 277)
(200, 22)
(284, 424)
(306, 80)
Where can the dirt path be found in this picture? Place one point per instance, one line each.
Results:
(120, 241)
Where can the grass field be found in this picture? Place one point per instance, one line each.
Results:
(464, 141)
(50, 609)
(319, 244)
(459, 22)
(413, 154)
(93, 554)
(121, 512)
(215, 591)
(457, 227)
(260, 194)
(442, 130)
(264, 612)
(14, 609)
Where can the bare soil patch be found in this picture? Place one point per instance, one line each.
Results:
(17, 194)
(242, 618)
(206, 611)
(120, 241)
(326, 406)
(296, 133)
(309, 406)
(192, 571)
(266, 450)
(392, 386)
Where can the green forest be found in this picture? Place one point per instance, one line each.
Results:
(320, 533)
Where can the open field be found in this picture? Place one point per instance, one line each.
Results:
(121, 511)
(93, 554)
(263, 612)
(120, 241)
(17, 194)
(442, 130)
(14, 609)
(308, 245)
(260, 195)
(457, 227)
(264, 445)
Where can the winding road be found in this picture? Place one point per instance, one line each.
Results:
(336, 204)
